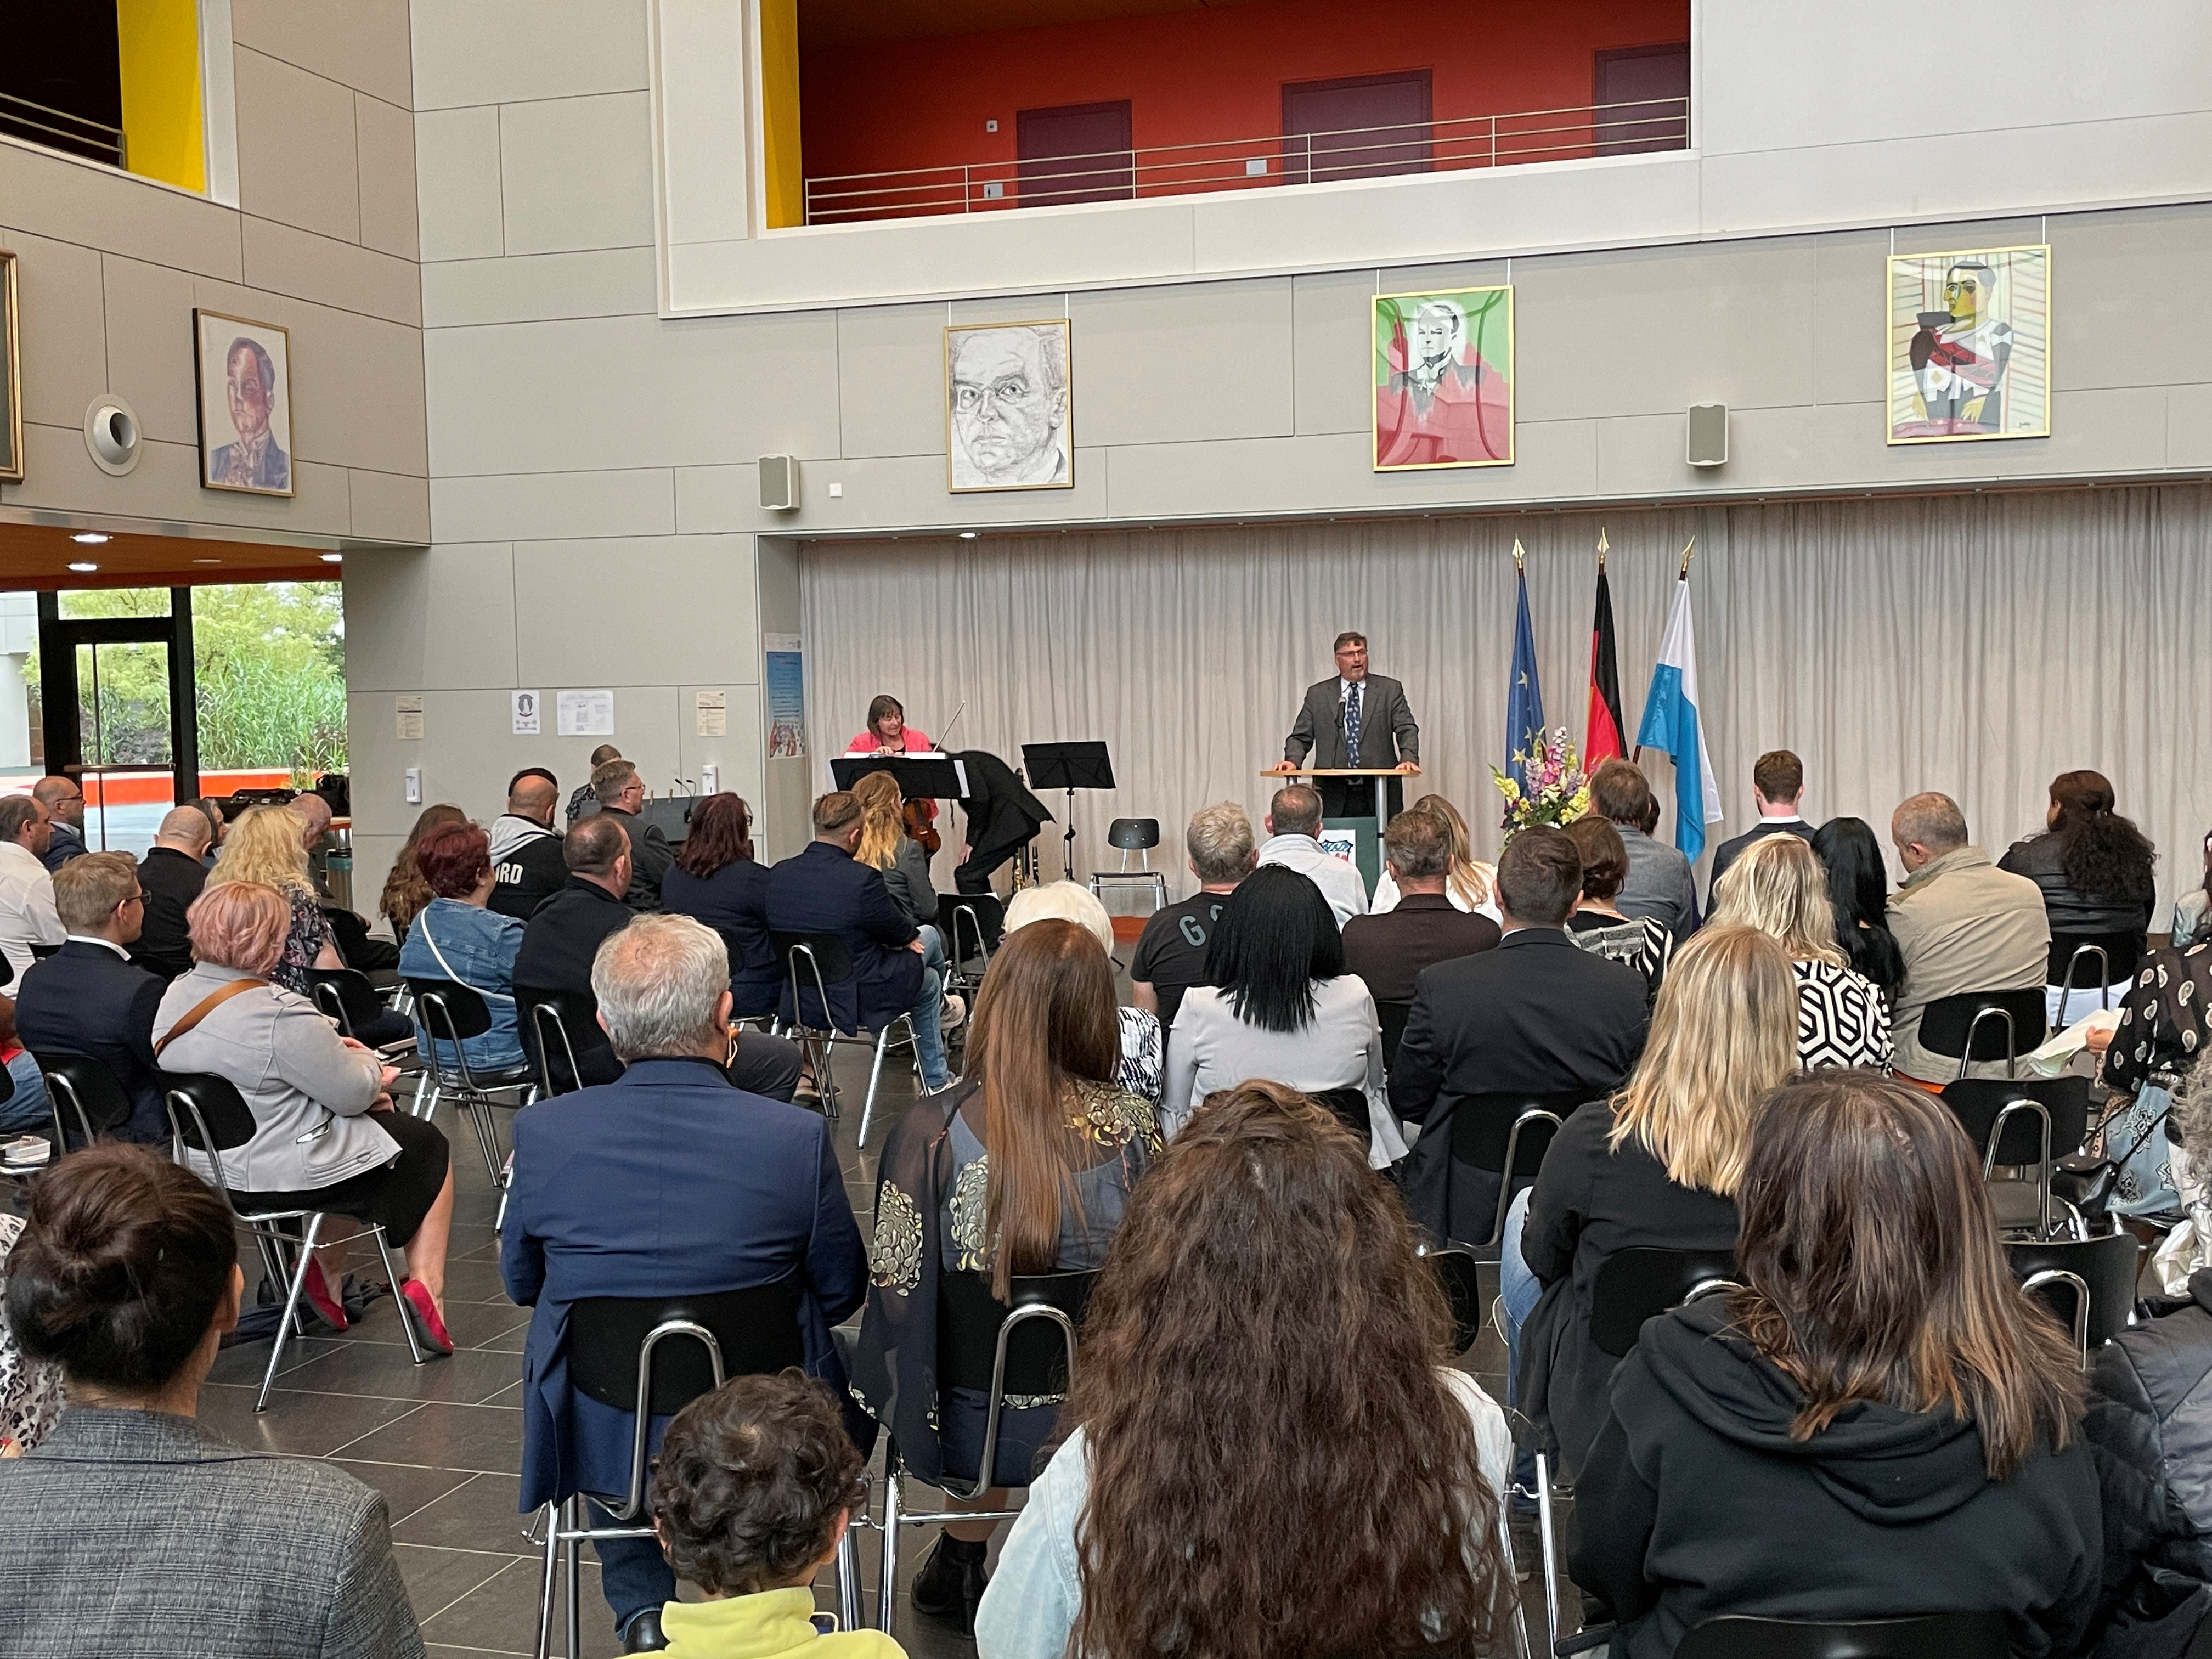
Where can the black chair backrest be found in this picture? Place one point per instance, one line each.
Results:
(1460, 1274)
(1637, 1284)
(7, 1078)
(2123, 953)
(1929, 1636)
(1944, 1023)
(1977, 1101)
(1133, 834)
(2107, 1264)
(228, 1119)
(107, 1108)
(967, 1320)
(1392, 1017)
(345, 994)
(1350, 1108)
(757, 1329)
(553, 1015)
(469, 1016)
(831, 956)
(1481, 1124)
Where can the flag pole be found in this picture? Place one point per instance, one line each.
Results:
(1600, 547)
(1518, 556)
(1688, 553)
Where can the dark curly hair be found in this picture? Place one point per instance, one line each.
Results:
(2103, 854)
(750, 1480)
(452, 858)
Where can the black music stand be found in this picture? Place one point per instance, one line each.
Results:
(939, 777)
(1069, 766)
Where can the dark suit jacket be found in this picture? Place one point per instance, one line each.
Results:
(666, 1182)
(650, 855)
(1387, 732)
(86, 999)
(733, 901)
(172, 880)
(1390, 951)
(1538, 1013)
(1733, 848)
(67, 844)
(822, 890)
(558, 945)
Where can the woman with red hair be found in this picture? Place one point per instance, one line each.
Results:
(455, 937)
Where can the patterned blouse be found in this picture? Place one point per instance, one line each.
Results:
(1644, 943)
(2162, 1021)
(1125, 1131)
(1142, 1046)
(1842, 1019)
(303, 943)
(30, 1390)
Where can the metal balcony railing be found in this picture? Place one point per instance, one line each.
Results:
(1475, 141)
(58, 129)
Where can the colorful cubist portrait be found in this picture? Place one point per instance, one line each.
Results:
(1443, 379)
(1970, 345)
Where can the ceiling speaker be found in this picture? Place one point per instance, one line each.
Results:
(111, 435)
(778, 482)
(1708, 439)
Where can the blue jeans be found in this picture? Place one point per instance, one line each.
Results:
(927, 1013)
(633, 1574)
(1517, 1289)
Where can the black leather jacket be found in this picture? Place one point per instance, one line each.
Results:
(2071, 910)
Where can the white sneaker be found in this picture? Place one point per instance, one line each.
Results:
(954, 1014)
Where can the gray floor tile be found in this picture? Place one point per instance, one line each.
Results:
(474, 1281)
(385, 1369)
(406, 1486)
(309, 1425)
(500, 1616)
(484, 1438)
(245, 1362)
(437, 1578)
(478, 1515)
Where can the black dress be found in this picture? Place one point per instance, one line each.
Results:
(733, 901)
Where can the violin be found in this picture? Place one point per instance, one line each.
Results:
(920, 819)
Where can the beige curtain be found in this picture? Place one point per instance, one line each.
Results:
(1977, 644)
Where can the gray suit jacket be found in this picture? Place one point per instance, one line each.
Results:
(136, 1532)
(1387, 734)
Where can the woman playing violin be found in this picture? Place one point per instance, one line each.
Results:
(887, 729)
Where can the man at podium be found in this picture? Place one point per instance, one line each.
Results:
(1356, 718)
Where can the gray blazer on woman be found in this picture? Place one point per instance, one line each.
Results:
(134, 1532)
(306, 1089)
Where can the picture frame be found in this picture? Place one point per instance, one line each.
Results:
(1442, 377)
(1968, 345)
(11, 376)
(243, 392)
(1009, 406)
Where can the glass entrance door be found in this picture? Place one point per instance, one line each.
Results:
(126, 737)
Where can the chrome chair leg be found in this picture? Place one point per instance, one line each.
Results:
(875, 1078)
(887, 1561)
(551, 1513)
(291, 1308)
(848, 1581)
(392, 1273)
(578, 1519)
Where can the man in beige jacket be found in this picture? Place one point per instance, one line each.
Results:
(1962, 924)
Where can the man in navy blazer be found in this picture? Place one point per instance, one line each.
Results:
(89, 998)
(669, 1180)
(824, 891)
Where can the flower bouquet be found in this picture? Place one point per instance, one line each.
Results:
(1557, 792)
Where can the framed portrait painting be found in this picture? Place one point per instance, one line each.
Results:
(11, 378)
(1443, 379)
(1009, 407)
(1970, 345)
(244, 405)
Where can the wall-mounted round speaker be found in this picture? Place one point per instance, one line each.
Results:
(111, 435)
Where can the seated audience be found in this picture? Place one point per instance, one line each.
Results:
(325, 1136)
(1858, 899)
(1170, 954)
(560, 942)
(86, 999)
(1251, 1453)
(2150, 1056)
(28, 1110)
(885, 846)
(822, 889)
(1024, 1167)
(1659, 883)
(1142, 1042)
(1293, 823)
(526, 851)
(1597, 924)
(1534, 1014)
(406, 895)
(349, 931)
(218, 827)
(715, 880)
(756, 1486)
(668, 1181)
(2192, 910)
(2099, 876)
(26, 887)
(1279, 1004)
(1777, 784)
(1469, 883)
(620, 792)
(1961, 925)
(1782, 890)
(132, 1529)
(1880, 1421)
(171, 875)
(1387, 948)
(1657, 1165)
(582, 803)
(64, 799)
(455, 937)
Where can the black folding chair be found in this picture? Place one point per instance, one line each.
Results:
(1643, 1282)
(1979, 1026)
(1506, 1135)
(2019, 1121)
(1392, 1017)
(208, 1116)
(1927, 1636)
(346, 996)
(1350, 1108)
(2089, 1284)
(2108, 959)
(94, 1098)
(449, 1011)
(558, 1020)
(651, 1357)
(973, 924)
(816, 964)
(1461, 1273)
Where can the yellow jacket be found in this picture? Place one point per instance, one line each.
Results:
(764, 1626)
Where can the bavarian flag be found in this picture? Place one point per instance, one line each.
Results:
(1671, 722)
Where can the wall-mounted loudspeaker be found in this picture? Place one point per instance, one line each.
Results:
(779, 481)
(1708, 440)
(110, 434)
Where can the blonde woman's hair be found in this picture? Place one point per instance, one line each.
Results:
(264, 846)
(1463, 878)
(883, 824)
(1779, 887)
(1723, 1037)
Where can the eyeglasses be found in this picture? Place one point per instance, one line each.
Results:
(136, 898)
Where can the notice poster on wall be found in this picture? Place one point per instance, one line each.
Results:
(584, 714)
(407, 716)
(714, 712)
(528, 717)
(784, 685)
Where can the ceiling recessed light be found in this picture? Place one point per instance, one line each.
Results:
(333, 558)
(82, 564)
(88, 537)
(967, 535)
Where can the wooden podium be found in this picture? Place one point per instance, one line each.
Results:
(1366, 830)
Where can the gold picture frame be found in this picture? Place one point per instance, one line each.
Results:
(258, 393)
(1447, 412)
(1967, 346)
(11, 377)
(1010, 423)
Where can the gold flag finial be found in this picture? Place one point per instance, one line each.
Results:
(1600, 547)
(1688, 553)
(1518, 556)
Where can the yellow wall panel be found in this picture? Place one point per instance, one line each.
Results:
(159, 52)
(786, 186)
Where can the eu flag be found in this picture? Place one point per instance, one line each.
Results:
(1524, 695)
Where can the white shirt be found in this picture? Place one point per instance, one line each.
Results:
(1387, 895)
(1338, 880)
(26, 907)
(95, 938)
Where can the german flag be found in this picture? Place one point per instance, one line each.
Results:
(1602, 738)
